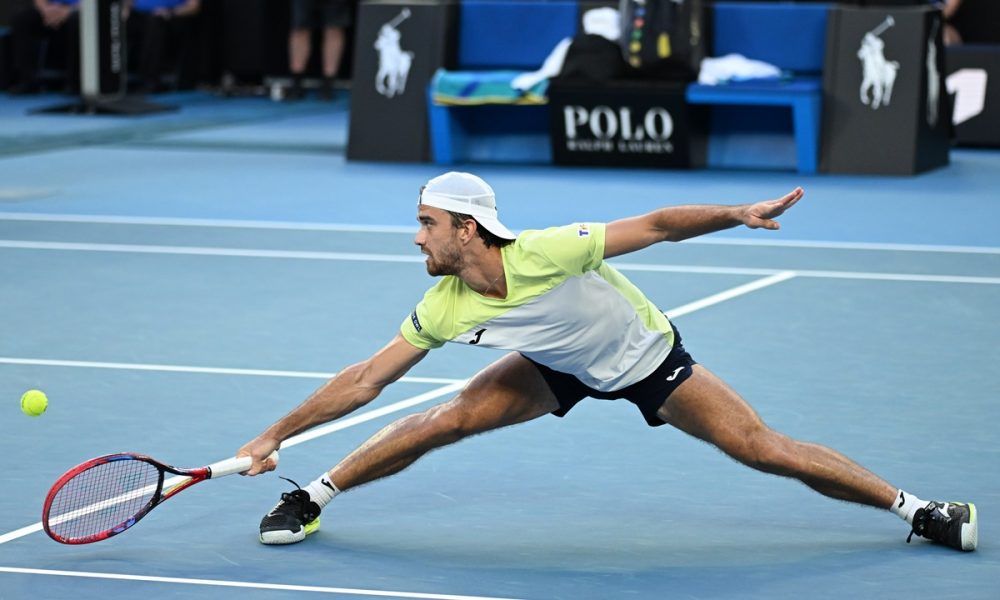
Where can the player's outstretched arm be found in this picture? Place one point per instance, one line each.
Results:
(344, 393)
(676, 223)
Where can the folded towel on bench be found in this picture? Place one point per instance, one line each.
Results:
(735, 67)
(469, 88)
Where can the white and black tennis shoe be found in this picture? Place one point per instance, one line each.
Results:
(953, 524)
(293, 518)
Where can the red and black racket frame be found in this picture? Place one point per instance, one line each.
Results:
(196, 475)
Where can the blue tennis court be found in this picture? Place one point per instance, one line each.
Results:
(177, 283)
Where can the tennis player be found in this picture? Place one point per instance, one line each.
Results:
(575, 328)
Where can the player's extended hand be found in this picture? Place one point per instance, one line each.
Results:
(762, 214)
(260, 449)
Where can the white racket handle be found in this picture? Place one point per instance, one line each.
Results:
(234, 465)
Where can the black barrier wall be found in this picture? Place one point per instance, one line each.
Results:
(974, 81)
(397, 48)
(885, 108)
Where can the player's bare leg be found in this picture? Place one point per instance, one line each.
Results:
(705, 407)
(710, 410)
(507, 392)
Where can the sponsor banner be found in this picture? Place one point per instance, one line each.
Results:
(885, 106)
(641, 125)
(397, 48)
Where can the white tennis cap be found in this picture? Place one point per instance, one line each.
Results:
(466, 194)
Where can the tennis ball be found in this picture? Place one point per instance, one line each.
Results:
(34, 403)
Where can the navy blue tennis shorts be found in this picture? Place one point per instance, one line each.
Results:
(329, 13)
(648, 395)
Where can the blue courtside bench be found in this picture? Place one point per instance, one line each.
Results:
(791, 36)
(473, 114)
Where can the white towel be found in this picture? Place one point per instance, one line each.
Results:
(598, 21)
(605, 22)
(550, 68)
(734, 67)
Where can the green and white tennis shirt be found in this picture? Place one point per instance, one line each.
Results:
(565, 308)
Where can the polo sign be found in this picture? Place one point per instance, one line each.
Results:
(624, 125)
(607, 129)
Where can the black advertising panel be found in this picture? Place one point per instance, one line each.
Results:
(397, 48)
(628, 124)
(885, 107)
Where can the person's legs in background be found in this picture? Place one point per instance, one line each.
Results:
(28, 31)
(299, 45)
(333, 52)
(184, 33)
(337, 17)
(152, 45)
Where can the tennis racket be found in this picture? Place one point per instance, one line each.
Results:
(106, 495)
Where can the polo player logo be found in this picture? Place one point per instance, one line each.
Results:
(879, 74)
(933, 77)
(393, 62)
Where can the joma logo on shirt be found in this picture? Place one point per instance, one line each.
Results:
(479, 334)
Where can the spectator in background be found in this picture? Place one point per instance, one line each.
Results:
(336, 16)
(949, 8)
(155, 27)
(55, 22)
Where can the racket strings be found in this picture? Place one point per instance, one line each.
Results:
(102, 498)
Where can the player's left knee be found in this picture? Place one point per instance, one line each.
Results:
(772, 452)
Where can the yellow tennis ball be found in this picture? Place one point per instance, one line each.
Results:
(34, 403)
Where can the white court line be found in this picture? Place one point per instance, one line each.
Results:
(455, 385)
(729, 294)
(20, 533)
(86, 364)
(336, 426)
(871, 276)
(218, 223)
(828, 245)
(204, 251)
(292, 441)
(407, 258)
(304, 226)
(372, 414)
(900, 277)
(246, 584)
